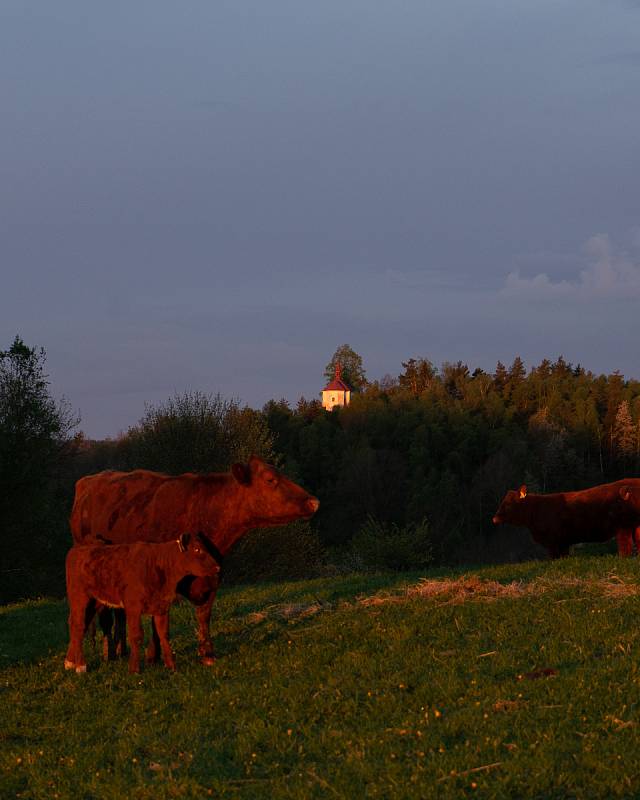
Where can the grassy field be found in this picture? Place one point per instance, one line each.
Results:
(516, 681)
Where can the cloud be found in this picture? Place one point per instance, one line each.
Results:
(609, 273)
(425, 279)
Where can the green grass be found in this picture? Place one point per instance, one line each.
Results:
(316, 694)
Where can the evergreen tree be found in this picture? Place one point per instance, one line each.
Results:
(418, 375)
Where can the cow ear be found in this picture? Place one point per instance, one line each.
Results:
(625, 492)
(523, 492)
(183, 542)
(241, 473)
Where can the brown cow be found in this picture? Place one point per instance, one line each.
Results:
(141, 578)
(559, 520)
(149, 506)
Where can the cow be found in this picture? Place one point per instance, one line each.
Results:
(141, 578)
(559, 520)
(141, 505)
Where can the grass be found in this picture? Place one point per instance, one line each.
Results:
(504, 682)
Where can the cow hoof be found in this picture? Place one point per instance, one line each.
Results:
(69, 664)
(81, 668)
(208, 661)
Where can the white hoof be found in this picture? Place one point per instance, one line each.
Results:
(81, 668)
(69, 664)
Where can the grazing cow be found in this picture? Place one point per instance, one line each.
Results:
(141, 578)
(149, 506)
(559, 520)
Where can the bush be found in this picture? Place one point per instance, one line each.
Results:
(286, 553)
(195, 432)
(380, 545)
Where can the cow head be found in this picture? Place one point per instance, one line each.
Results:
(195, 556)
(510, 508)
(630, 497)
(270, 497)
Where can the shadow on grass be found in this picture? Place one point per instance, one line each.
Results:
(31, 630)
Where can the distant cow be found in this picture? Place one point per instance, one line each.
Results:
(149, 506)
(559, 520)
(140, 578)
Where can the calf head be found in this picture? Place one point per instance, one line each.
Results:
(270, 497)
(195, 557)
(511, 507)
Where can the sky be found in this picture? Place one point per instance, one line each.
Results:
(214, 196)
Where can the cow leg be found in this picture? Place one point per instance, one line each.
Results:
(162, 628)
(134, 618)
(636, 539)
(120, 632)
(202, 593)
(205, 645)
(77, 627)
(624, 538)
(105, 618)
(152, 655)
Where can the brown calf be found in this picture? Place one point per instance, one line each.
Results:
(140, 578)
(149, 506)
(562, 519)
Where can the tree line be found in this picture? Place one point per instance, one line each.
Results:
(409, 473)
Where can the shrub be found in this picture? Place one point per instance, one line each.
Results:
(380, 545)
(195, 432)
(286, 553)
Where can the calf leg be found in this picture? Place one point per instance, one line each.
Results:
(152, 655)
(77, 628)
(624, 538)
(162, 627)
(135, 638)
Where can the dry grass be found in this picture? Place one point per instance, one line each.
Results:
(471, 588)
(465, 589)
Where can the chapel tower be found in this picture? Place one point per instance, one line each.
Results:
(337, 393)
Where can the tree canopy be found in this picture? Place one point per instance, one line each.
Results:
(35, 453)
(353, 372)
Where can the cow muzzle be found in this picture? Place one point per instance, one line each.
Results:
(496, 520)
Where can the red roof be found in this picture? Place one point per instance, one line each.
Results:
(337, 384)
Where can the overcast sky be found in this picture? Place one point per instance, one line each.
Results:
(215, 195)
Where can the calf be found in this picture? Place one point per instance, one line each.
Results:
(559, 520)
(140, 578)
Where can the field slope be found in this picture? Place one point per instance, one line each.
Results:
(515, 681)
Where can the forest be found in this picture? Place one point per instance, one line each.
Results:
(408, 474)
